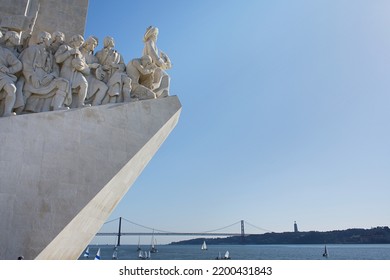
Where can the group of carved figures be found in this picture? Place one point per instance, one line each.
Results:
(55, 75)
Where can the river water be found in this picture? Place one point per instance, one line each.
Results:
(249, 252)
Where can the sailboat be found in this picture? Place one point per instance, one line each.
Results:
(97, 257)
(141, 255)
(153, 248)
(139, 246)
(219, 256)
(325, 254)
(115, 253)
(227, 256)
(144, 255)
(204, 246)
(86, 253)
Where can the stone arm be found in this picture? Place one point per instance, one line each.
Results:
(63, 53)
(119, 65)
(167, 61)
(153, 53)
(143, 70)
(28, 59)
(122, 65)
(15, 65)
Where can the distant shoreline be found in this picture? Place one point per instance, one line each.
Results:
(377, 235)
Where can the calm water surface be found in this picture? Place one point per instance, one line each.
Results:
(249, 252)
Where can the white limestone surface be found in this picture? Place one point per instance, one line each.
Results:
(62, 173)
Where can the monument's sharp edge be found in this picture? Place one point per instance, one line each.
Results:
(62, 173)
(87, 223)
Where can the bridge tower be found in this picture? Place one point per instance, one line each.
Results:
(119, 232)
(242, 228)
(242, 231)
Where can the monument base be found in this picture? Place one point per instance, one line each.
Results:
(62, 173)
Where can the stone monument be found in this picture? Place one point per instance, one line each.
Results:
(66, 164)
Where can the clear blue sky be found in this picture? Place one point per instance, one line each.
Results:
(286, 112)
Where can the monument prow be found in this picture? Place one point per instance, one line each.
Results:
(64, 172)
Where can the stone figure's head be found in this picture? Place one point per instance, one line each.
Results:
(76, 41)
(58, 37)
(109, 42)
(146, 61)
(12, 38)
(44, 38)
(151, 33)
(91, 43)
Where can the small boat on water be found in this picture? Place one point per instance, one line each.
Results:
(204, 246)
(325, 254)
(144, 255)
(227, 256)
(86, 253)
(115, 253)
(153, 248)
(139, 246)
(97, 257)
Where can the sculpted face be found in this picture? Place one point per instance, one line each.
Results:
(109, 42)
(47, 41)
(146, 61)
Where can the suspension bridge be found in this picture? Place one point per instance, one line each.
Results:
(156, 232)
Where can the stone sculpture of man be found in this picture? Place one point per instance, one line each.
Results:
(159, 81)
(58, 39)
(97, 89)
(12, 42)
(44, 90)
(137, 68)
(9, 66)
(119, 84)
(73, 69)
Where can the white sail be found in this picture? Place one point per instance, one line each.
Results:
(204, 246)
(227, 255)
(139, 243)
(97, 257)
(141, 255)
(86, 254)
(115, 254)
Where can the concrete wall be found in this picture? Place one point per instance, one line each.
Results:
(68, 16)
(62, 173)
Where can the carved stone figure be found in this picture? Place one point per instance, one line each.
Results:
(12, 42)
(44, 90)
(97, 89)
(136, 69)
(73, 69)
(119, 84)
(9, 65)
(58, 39)
(159, 81)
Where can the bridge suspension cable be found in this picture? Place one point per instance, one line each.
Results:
(154, 229)
(262, 229)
